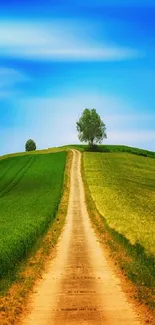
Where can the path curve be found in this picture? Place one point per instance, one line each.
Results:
(79, 287)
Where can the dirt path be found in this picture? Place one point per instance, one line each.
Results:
(79, 288)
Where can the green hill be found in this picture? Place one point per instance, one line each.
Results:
(111, 148)
(30, 191)
(123, 188)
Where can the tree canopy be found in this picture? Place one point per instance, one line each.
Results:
(90, 127)
(30, 145)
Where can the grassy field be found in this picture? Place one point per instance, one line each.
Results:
(15, 291)
(30, 191)
(36, 152)
(110, 149)
(85, 148)
(123, 188)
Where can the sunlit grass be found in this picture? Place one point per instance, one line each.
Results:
(123, 188)
(36, 152)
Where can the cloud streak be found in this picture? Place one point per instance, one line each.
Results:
(58, 41)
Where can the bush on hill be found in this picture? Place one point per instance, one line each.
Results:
(30, 145)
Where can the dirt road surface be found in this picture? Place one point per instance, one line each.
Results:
(79, 287)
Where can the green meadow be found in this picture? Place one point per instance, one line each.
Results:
(30, 192)
(123, 188)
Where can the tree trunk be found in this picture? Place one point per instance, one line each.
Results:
(91, 143)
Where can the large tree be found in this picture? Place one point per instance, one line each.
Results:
(90, 127)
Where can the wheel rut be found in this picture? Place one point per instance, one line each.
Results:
(79, 287)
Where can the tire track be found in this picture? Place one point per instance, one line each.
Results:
(17, 177)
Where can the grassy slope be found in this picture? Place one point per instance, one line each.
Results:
(122, 188)
(83, 148)
(112, 148)
(15, 301)
(30, 191)
(36, 152)
(132, 258)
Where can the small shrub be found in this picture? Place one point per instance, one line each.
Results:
(30, 145)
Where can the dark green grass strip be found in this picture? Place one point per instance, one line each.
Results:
(12, 167)
(142, 268)
(112, 148)
(4, 169)
(17, 177)
(30, 205)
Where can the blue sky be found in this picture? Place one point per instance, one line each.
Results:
(57, 58)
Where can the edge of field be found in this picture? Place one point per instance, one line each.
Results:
(116, 249)
(36, 152)
(84, 147)
(14, 303)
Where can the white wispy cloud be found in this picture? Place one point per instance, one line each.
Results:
(58, 41)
